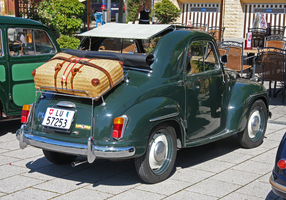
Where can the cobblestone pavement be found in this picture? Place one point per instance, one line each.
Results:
(220, 170)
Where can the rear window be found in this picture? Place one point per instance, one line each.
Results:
(118, 45)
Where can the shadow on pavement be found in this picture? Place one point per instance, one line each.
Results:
(11, 125)
(106, 172)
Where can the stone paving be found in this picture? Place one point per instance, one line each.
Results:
(220, 170)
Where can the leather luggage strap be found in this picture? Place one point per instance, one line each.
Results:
(57, 69)
(88, 64)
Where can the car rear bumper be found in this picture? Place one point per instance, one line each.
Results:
(277, 188)
(90, 150)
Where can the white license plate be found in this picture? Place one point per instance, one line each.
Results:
(58, 118)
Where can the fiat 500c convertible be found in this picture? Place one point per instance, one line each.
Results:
(178, 96)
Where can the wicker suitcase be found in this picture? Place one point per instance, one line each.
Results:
(65, 71)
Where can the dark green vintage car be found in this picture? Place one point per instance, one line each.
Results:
(177, 96)
(25, 45)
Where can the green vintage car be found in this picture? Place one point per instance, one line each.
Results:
(177, 96)
(25, 45)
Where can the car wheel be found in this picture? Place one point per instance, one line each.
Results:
(158, 161)
(255, 128)
(58, 158)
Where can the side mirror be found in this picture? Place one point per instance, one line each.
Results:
(224, 59)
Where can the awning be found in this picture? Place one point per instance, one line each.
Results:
(128, 31)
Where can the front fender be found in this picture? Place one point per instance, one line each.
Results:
(146, 114)
(243, 96)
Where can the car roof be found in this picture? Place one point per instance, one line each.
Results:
(18, 21)
(128, 31)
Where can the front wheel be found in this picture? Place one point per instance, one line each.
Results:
(58, 158)
(255, 128)
(158, 161)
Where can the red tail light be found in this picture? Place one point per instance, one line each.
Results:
(282, 164)
(25, 113)
(123, 7)
(103, 7)
(119, 125)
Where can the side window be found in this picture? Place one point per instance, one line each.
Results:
(25, 41)
(201, 57)
(43, 43)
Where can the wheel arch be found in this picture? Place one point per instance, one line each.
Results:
(239, 110)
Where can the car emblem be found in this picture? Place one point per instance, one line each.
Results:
(51, 111)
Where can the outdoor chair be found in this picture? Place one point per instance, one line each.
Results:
(234, 51)
(200, 26)
(276, 30)
(273, 62)
(258, 36)
(275, 41)
(214, 31)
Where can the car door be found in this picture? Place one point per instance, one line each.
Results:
(28, 48)
(4, 71)
(204, 88)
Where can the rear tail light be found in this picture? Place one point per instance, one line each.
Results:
(119, 126)
(282, 163)
(25, 113)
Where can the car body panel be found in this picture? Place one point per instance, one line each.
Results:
(278, 177)
(17, 84)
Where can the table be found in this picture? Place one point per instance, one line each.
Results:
(253, 52)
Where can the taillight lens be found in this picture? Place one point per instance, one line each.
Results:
(119, 125)
(103, 7)
(25, 113)
(282, 164)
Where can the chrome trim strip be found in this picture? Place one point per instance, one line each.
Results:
(66, 104)
(164, 117)
(74, 148)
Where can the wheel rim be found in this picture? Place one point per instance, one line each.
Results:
(256, 124)
(160, 152)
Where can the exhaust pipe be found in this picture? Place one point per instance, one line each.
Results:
(77, 163)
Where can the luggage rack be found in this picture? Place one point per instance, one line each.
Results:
(43, 89)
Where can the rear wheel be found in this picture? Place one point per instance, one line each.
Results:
(58, 158)
(255, 128)
(158, 161)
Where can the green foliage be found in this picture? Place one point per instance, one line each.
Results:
(132, 8)
(67, 42)
(166, 12)
(62, 16)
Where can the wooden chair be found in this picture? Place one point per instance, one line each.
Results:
(234, 51)
(275, 41)
(273, 62)
(214, 31)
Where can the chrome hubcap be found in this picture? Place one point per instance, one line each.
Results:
(158, 151)
(254, 124)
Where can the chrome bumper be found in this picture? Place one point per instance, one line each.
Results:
(277, 188)
(90, 150)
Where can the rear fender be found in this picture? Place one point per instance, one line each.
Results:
(147, 114)
(242, 98)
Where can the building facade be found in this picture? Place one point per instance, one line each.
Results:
(237, 15)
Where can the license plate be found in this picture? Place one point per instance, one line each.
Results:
(58, 118)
